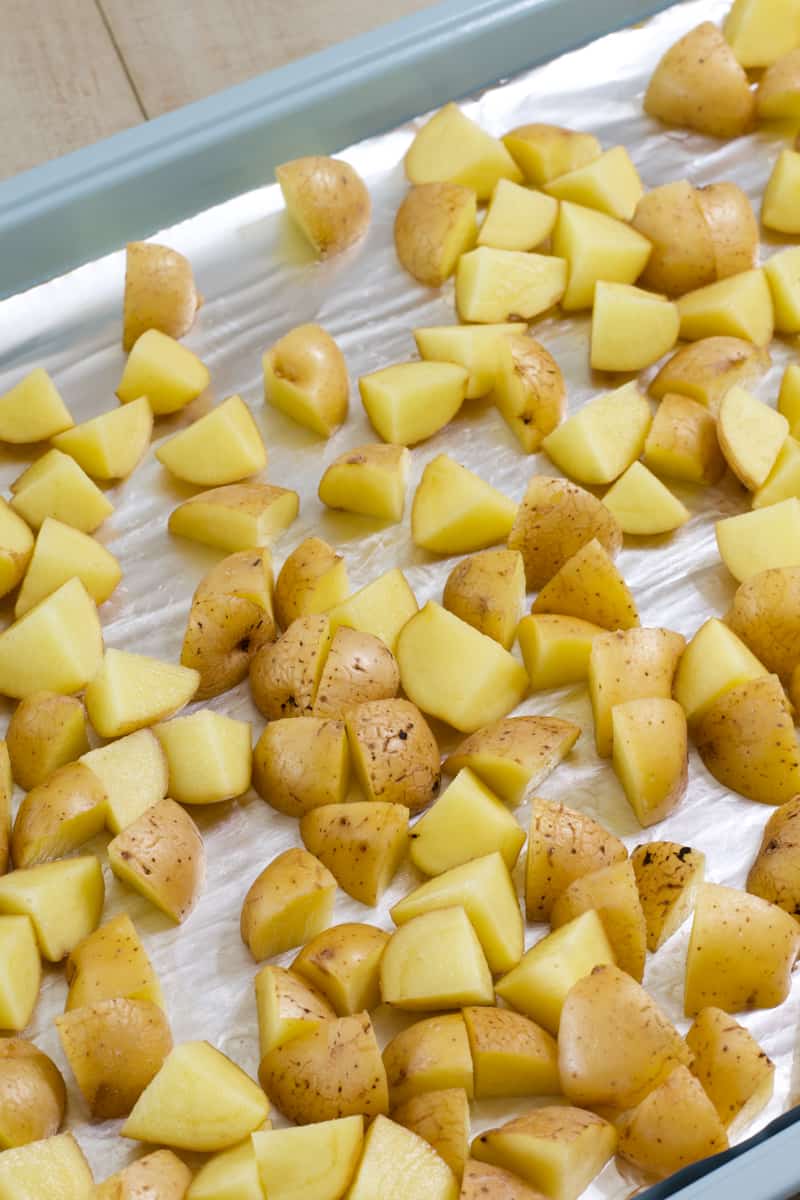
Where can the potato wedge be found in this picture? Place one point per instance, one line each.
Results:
(675, 1125)
(435, 961)
(287, 1006)
(473, 347)
(433, 227)
(762, 539)
(667, 877)
(368, 480)
(504, 285)
(312, 579)
(209, 756)
(613, 893)
(133, 772)
(381, 608)
(228, 1175)
(714, 661)
(650, 755)
(597, 443)
(327, 199)
(32, 410)
(56, 647)
(442, 1119)
(111, 446)
(161, 855)
(698, 84)
(58, 816)
(556, 519)
(64, 901)
(487, 590)
(563, 845)
(610, 183)
(682, 442)
(556, 649)
(410, 402)
(760, 31)
(450, 147)
(305, 378)
(543, 152)
(21, 971)
(312, 1161)
(289, 902)
(342, 963)
(736, 1074)
(517, 218)
(596, 247)
(61, 552)
(394, 753)
(590, 587)
(511, 1055)
(302, 763)
(643, 505)
(362, 844)
(739, 306)
(629, 665)
(778, 91)
(750, 436)
(516, 754)
(160, 292)
(34, 1170)
(131, 691)
(773, 874)
(239, 516)
(398, 1164)
(428, 1056)
(455, 511)
(467, 822)
(734, 229)
(284, 675)
(32, 1094)
(618, 307)
(529, 390)
(164, 370)
(706, 370)
(111, 963)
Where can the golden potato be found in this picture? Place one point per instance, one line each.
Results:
(435, 961)
(342, 963)
(515, 754)
(451, 148)
(239, 516)
(760, 540)
(21, 971)
(455, 511)
(468, 821)
(328, 199)
(682, 442)
(223, 635)
(301, 763)
(518, 218)
(161, 1174)
(556, 649)
(223, 446)
(682, 259)
(64, 901)
(596, 246)
(429, 1056)
(773, 876)
(34, 1170)
(434, 226)
(32, 1094)
(609, 183)
(760, 31)
(46, 731)
(362, 844)
(284, 675)
(381, 607)
(739, 306)
(496, 285)
(667, 876)
(782, 277)
(698, 84)
(629, 664)
(736, 1074)
(643, 505)
(543, 152)
(619, 307)
(305, 377)
(442, 1119)
(556, 519)
(111, 962)
(487, 590)
(650, 755)
(613, 893)
(590, 587)
(529, 390)
(409, 402)
(131, 691)
(675, 1125)
(765, 614)
(133, 770)
(482, 1181)
(511, 1056)
(290, 901)
(209, 755)
(714, 661)
(601, 440)
(473, 347)
(395, 755)
(397, 1164)
(706, 370)
(309, 1161)
(58, 816)
(563, 845)
(734, 229)
(359, 667)
(312, 579)
(370, 480)
(229, 1175)
(160, 292)
(778, 91)
(162, 856)
(751, 435)
(287, 1007)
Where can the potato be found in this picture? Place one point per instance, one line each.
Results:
(515, 754)
(342, 963)
(619, 307)
(237, 517)
(312, 1161)
(682, 258)
(511, 1055)
(305, 378)
(498, 285)
(466, 822)
(517, 218)
(45, 732)
(412, 401)
(613, 893)
(433, 227)
(110, 446)
(563, 845)
(312, 579)
(789, 397)
(287, 1006)
(21, 971)
(456, 512)
(736, 1074)
(397, 1164)
(32, 410)
(159, 367)
(557, 1150)
(55, 486)
(334, 1071)
(133, 772)
(131, 691)
(784, 283)
(747, 741)
(777, 209)
(556, 519)
(609, 183)
(682, 442)
(590, 587)
(741, 952)
(629, 665)
(761, 540)
(115, 1048)
(750, 436)
(778, 91)
(362, 844)
(783, 481)
(199, 1100)
(222, 447)
(442, 1119)
(597, 443)
(643, 505)
(429, 1056)
(773, 874)
(32, 1094)
(301, 763)
(16, 548)
(451, 148)
(370, 480)
(706, 370)
(56, 647)
(58, 816)
(667, 877)
(529, 390)
(6, 792)
(381, 608)
(714, 661)
(484, 889)
(161, 855)
(284, 675)
(160, 292)
(487, 590)
(161, 1174)
(543, 152)
(54, 1167)
(556, 649)
(290, 901)
(61, 552)
(740, 307)
(327, 199)
(246, 575)
(209, 756)
(764, 614)
(63, 899)
(394, 753)
(482, 1181)
(734, 229)
(473, 347)
(223, 634)
(650, 755)
(760, 31)
(698, 84)
(111, 963)
(435, 961)
(229, 1175)
(674, 1126)
(596, 247)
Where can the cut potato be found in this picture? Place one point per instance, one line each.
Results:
(650, 755)
(682, 442)
(450, 147)
(741, 952)
(609, 183)
(164, 371)
(473, 347)
(517, 218)
(740, 307)
(412, 401)
(482, 1180)
(511, 1055)
(783, 481)
(32, 410)
(765, 613)
(590, 587)
(750, 436)
(682, 258)
(223, 635)
(667, 876)
(706, 370)
(342, 963)
(288, 903)
(603, 438)
(161, 856)
(442, 1119)
(633, 664)
(783, 276)
(397, 1164)
(618, 308)
(733, 225)
(45, 732)
(208, 757)
(501, 285)
(302, 763)
(466, 822)
(312, 579)
(736, 1074)
(52, 1169)
(199, 1100)
(789, 397)
(435, 961)
(772, 875)
(758, 541)
(16, 548)
(714, 661)
(110, 446)
(778, 209)
(675, 1125)
(613, 893)
(57, 646)
(698, 84)
(370, 480)
(778, 92)
(55, 486)
(515, 755)
(394, 753)
(133, 772)
(543, 152)
(362, 844)
(285, 675)
(529, 390)
(556, 649)
(381, 608)
(760, 31)
(287, 1006)
(487, 590)
(21, 971)
(237, 517)
(32, 1094)
(230, 1175)
(434, 226)
(159, 294)
(111, 963)
(58, 816)
(563, 845)
(161, 1173)
(305, 377)
(596, 247)
(429, 1056)
(60, 553)
(220, 448)
(313, 1162)
(247, 573)
(63, 899)
(327, 199)
(456, 512)
(130, 691)
(453, 672)
(6, 791)
(642, 505)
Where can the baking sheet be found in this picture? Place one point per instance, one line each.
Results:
(259, 281)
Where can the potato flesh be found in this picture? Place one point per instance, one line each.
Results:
(312, 580)
(667, 877)
(761, 31)
(55, 486)
(596, 247)
(56, 647)
(381, 608)
(590, 587)
(229, 1175)
(612, 892)
(609, 183)
(543, 152)
(369, 480)
(208, 757)
(674, 1126)
(399, 1165)
(778, 209)
(642, 505)
(501, 285)
(783, 276)
(466, 822)
(736, 1074)
(61, 552)
(163, 370)
(750, 435)
(288, 903)
(287, 1006)
(634, 664)
(563, 845)
(515, 754)
(311, 1162)
(619, 307)
(511, 1055)
(435, 961)
(412, 401)
(239, 516)
(32, 410)
(63, 899)
(473, 347)
(52, 1169)
(111, 445)
(599, 442)
(133, 772)
(457, 512)
(556, 649)
(161, 855)
(682, 442)
(517, 218)
(130, 691)
(650, 756)
(223, 447)
(452, 148)
(714, 661)
(342, 963)
(21, 973)
(487, 590)
(429, 1056)
(740, 307)
(778, 93)
(362, 844)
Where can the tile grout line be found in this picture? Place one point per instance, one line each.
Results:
(110, 31)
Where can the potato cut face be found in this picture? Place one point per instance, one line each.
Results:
(603, 438)
(456, 512)
(111, 445)
(473, 347)
(517, 218)
(63, 899)
(381, 608)
(164, 371)
(750, 435)
(511, 1055)
(612, 892)
(642, 505)
(32, 410)
(313, 1160)
(55, 647)
(133, 771)
(609, 183)
(288, 1006)
(229, 1175)
(762, 31)
(399, 1165)
(369, 480)
(556, 649)
(739, 307)
(682, 442)
(442, 1119)
(312, 579)
(223, 447)
(21, 973)
(777, 210)
(60, 553)
(543, 152)
(289, 902)
(239, 516)
(596, 247)
(632, 664)
(453, 148)
(563, 845)
(736, 1074)
(778, 92)
(618, 307)
(466, 822)
(504, 285)
(428, 1056)
(692, 1129)
(208, 757)
(714, 661)
(667, 876)
(410, 402)
(52, 1169)
(783, 276)
(650, 755)
(130, 691)
(435, 961)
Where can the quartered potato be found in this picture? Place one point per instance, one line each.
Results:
(442, 1119)
(675, 1125)
(699, 84)
(327, 199)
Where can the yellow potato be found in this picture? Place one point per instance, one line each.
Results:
(58, 816)
(511, 1055)
(750, 436)
(778, 92)
(434, 962)
(110, 446)
(643, 505)
(61, 552)
(733, 225)
(6, 791)
(223, 635)
(161, 855)
(650, 755)
(773, 874)
(706, 370)
(618, 308)
(456, 512)
(239, 516)
(287, 1007)
(597, 443)
(247, 573)
(56, 647)
(517, 218)
(778, 209)
(783, 276)
(160, 292)
(55, 486)
(610, 183)
(428, 1056)
(555, 520)
(674, 1126)
(714, 661)
(529, 390)
(362, 844)
(563, 845)
(55, 1167)
(63, 899)
(397, 1164)
(16, 548)
(131, 691)
(412, 401)
(590, 587)
(698, 84)
(473, 347)
(482, 1181)
(629, 665)
(596, 247)
(45, 732)
(133, 772)
(487, 590)
(359, 667)
(789, 397)
(370, 480)
(305, 377)
(164, 371)
(209, 756)
(667, 876)
(229, 1175)
(556, 649)
(342, 963)
(543, 152)
(312, 579)
(328, 199)
(32, 1094)
(515, 754)
(301, 763)
(315, 1161)
(381, 608)
(223, 447)
(289, 902)
(761, 540)
(111, 963)
(32, 410)
(740, 306)
(613, 893)
(451, 148)
(161, 1173)
(501, 285)
(765, 614)
(736, 1074)
(682, 442)
(442, 1119)
(760, 31)
(682, 258)
(434, 226)
(284, 675)
(466, 822)
(21, 971)
(394, 753)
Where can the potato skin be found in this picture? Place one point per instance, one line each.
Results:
(682, 259)
(705, 370)
(301, 763)
(222, 635)
(359, 667)
(32, 1094)
(395, 754)
(431, 1055)
(563, 845)
(734, 229)
(698, 84)
(425, 219)
(775, 874)
(163, 848)
(482, 1181)
(675, 1125)
(766, 616)
(159, 292)
(72, 790)
(487, 590)
(555, 520)
(312, 579)
(37, 722)
(360, 842)
(328, 198)
(284, 674)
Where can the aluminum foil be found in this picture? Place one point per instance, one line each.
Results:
(259, 281)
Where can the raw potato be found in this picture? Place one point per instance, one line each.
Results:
(698, 84)
(609, 183)
(302, 763)
(32, 410)
(773, 876)
(504, 285)
(597, 443)
(312, 1162)
(765, 614)
(334, 1071)
(760, 31)
(613, 893)
(397, 1164)
(750, 436)
(778, 208)
(58, 816)
(555, 520)
(223, 635)
(381, 608)
(789, 397)
(46, 731)
(328, 199)
(741, 952)
(453, 672)
(667, 877)
(305, 377)
(556, 649)
(161, 855)
(312, 579)
(675, 1125)
(443, 1120)
(736, 1074)
(590, 587)
(452, 148)
(515, 754)
(434, 226)
(758, 541)
(733, 225)
(778, 92)
(630, 664)
(159, 292)
(429, 1056)
(114, 1048)
(61, 552)
(53, 1169)
(740, 307)
(682, 258)
(208, 755)
(482, 1181)
(456, 512)
(63, 899)
(784, 283)
(131, 691)
(618, 308)
(714, 661)
(706, 370)
(32, 1094)
(55, 486)
(473, 347)
(650, 755)
(285, 675)
(6, 792)
(682, 442)
(511, 1055)
(229, 1175)
(596, 246)
(111, 963)
(110, 446)
(133, 772)
(642, 504)
(370, 480)
(16, 548)
(247, 573)
(342, 963)
(563, 845)
(288, 903)
(557, 1150)
(199, 1100)
(237, 517)
(529, 390)
(487, 590)
(163, 370)
(394, 753)
(435, 961)
(21, 972)
(56, 647)
(543, 152)
(222, 447)
(412, 401)
(287, 1007)
(161, 1174)
(466, 822)
(362, 844)
(517, 218)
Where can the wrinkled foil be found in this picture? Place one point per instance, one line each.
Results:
(259, 281)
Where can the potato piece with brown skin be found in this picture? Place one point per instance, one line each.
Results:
(682, 442)
(362, 844)
(161, 855)
(589, 586)
(312, 579)
(157, 1176)
(631, 664)
(733, 225)
(46, 731)
(245, 573)
(705, 370)
(556, 519)
(682, 258)
(429, 1056)
(6, 792)
(529, 390)
(443, 1120)
(698, 84)
(288, 902)
(675, 1125)
(334, 1071)
(342, 962)
(613, 893)
(775, 874)
(515, 754)
(160, 292)
(223, 634)
(487, 590)
(563, 845)
(284, 675)
(667, 877)
(736, 1074)
(328, 199)
(287, 1007)
(111, 962)
(394, 753)
(482, 1181)
(115, 1048)
(511, 1055)
(32, 1094)
(58, 816)
(765, 614)
(305, 377)
(302, 763)
(359, 667)
(434, 226)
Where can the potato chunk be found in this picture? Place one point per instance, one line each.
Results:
(222, 447)
(327, 199)
(428, 1056)
(208, 756)
(369, 480)
(778, 210)
(58, 816)
(765, 614)
(381, 608)
(161, 1173)
(598, 442)
(773, 875)
(32, 1094)
(397, 1164)
(750, 436)
(705, 370)
(516, 754)
(395, 755)
(110, 446)
(160, 292)
(759, 540)
(667, 876)
(229, 1175)
(302, 763)
(435, 961)
(133, 772)
(563, 845)
(760, 31)
(311, 1161)
(238, 516)
(698, 84)
(131, 691)
(342, 963)
(610, 183)
(288, 1006)
(362, 844)
(456, 512)
(55, 486)
(501, 285)
(305, 377)
(543, 152)
(312, 579)
(32, 410)
(466, 822)
(16, 548)
(590, 587)
(110, 963)
(21, 974)
(596, 247)
(410, 402)
(473, 347)
(487, 590)
(736, 1074)
(61, 552)
(169, 374)
(511, 1055)
(784, 283)
(619, 307)
(434, 226)
(517, 218)
(740, 307)
(682, 257)
(482, 1180)
(675, 1125)
(45, 732)
(682, 442)
(285, 675)
(642, 504)
(612, 892)
(630, 664)
(556, 649)
(52, 1169)
(55, 647)
(63, 899)
(289, 902)
(650, 755)
(450, 147)
(442, 1119)
(529, 390)
(714, 661)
